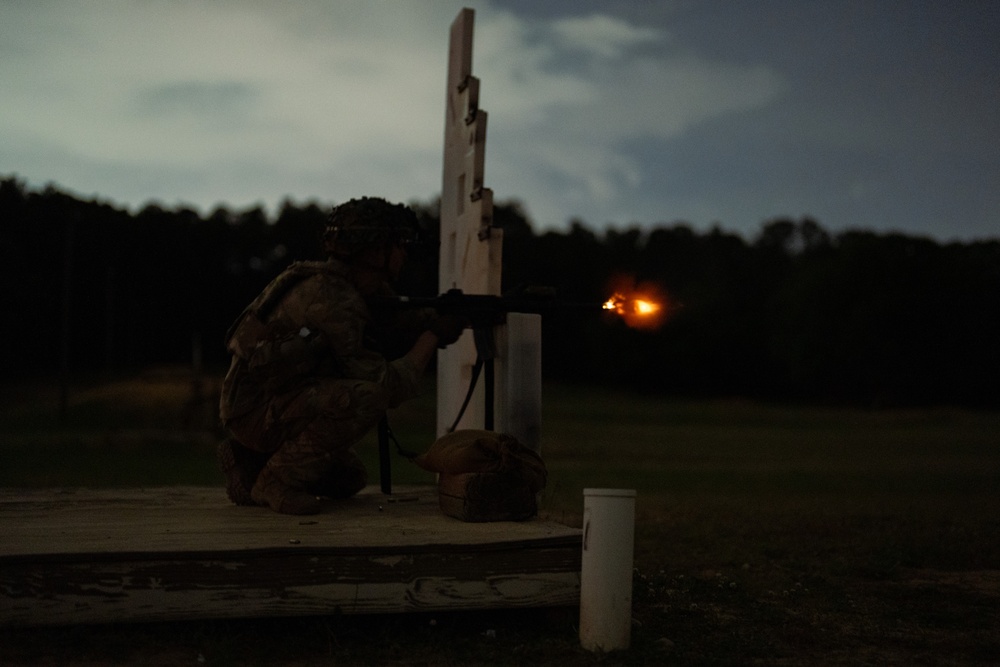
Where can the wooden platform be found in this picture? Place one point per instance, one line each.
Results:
(94, 556)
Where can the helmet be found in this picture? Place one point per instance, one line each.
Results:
(369, 221)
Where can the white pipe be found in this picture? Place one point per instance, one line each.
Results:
(519, 379)
(606, 569)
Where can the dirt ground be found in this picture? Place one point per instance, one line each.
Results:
(912, 617)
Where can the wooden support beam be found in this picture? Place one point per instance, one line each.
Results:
(471, 256)
(470, 246)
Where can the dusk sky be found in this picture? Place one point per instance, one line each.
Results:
(869, 114)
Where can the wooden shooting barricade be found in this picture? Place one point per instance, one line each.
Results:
(179, 553)
(92, 556)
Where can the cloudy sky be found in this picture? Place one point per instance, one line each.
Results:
(882, 115)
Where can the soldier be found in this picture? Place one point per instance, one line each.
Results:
(307, 381)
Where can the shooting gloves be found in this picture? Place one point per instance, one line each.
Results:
(448, 328)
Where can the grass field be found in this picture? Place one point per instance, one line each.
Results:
(765, 534)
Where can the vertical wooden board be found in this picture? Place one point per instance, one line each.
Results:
(468, 241)
(460, 48)
(479, 270)
(470, 247)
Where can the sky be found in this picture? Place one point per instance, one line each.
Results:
(880, 115)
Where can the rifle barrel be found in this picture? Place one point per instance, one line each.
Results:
(452, 302)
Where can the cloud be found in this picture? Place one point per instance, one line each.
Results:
(563, 128)
(245, 101)
(604, 36)
(167, 84)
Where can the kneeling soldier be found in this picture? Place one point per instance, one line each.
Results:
(307, 379)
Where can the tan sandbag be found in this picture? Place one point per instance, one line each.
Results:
(486, 496)
(479, 451)
(485, 476)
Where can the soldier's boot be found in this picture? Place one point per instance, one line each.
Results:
(270, 491)
(344, 478)
(241, 466)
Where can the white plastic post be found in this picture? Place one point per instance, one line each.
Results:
(606, 569)
(519, 379)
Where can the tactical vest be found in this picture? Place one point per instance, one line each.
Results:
(273, 354)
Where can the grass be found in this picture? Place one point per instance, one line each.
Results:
(767, 534)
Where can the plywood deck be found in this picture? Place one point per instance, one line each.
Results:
(85, 556)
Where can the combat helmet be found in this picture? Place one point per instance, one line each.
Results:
(359, 224)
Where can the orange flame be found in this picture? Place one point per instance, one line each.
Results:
(642, 307)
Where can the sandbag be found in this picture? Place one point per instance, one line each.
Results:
(485, 476)
(486, 496)
(473, 450)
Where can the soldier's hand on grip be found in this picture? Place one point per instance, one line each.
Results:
(448, 328)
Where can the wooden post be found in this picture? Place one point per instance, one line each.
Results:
(470, 246)
(471, 254)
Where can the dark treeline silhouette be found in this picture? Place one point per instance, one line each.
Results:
(794, 314)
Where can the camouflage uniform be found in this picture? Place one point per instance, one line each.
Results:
(305, 383)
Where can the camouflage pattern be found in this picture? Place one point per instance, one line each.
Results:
(306, 381)
(366, 222)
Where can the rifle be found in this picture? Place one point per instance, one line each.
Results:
(484, 312)
(487, 310)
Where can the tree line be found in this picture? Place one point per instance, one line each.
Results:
(795, 313)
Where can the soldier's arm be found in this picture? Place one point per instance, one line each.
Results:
(342, 318)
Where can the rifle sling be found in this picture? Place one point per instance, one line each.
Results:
(476, 370)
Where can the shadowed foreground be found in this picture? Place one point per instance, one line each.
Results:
(767, 535)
